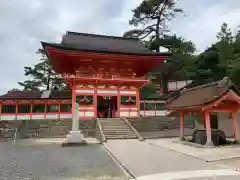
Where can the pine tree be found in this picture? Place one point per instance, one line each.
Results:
(42, 76)
(154, 16)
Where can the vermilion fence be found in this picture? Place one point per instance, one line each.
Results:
(61, 109)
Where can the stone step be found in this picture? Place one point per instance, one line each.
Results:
(121, 137)
(115, 126)
(120, 129)
(117, 123)
(117, 129)
(110, 135)
(118, 132)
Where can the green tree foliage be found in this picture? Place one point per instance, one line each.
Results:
(221, 59)
(153, 16)
(42, 76)
(206, 68)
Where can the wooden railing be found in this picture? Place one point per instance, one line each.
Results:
(16, 111)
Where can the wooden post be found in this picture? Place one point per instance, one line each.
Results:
(31, 109)
(235, 126)
(59, 110)
(16, 111)
(45, 110)
(144, 106)
(208, 129)
(182, 126)
(155, 108)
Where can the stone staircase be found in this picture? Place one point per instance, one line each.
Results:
(117, 128)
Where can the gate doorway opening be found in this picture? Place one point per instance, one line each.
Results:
(107, 106)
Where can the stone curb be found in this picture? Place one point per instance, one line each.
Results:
(121, 165)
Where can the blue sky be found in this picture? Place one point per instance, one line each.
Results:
(24, 23)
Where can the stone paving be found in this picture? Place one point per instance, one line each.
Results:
(29, 161)
(151, 162)
(206, 154)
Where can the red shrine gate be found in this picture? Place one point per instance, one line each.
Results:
(105, 73)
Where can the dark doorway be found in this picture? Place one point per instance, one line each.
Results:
(107, 106)
(214, 121)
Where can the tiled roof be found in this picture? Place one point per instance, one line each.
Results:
(201, 95)
(67, 94)
(102, 43)
(36, 95)
(22, 95)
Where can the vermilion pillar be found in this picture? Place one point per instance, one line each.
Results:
(208, 129)
(182, 126)
(235, 125)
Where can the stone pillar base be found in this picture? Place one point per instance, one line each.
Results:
(74, 138)
(209, 144)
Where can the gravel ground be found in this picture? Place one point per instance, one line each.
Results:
(52, 162)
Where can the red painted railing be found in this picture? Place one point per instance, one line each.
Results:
(147, 108)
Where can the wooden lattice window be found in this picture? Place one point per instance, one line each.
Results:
(24, 108)
(65, 108)
(160, 106)
(8, 109)
(52, 108)
(149, 106)
(38, 108)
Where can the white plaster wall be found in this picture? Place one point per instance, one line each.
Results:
(132, 114)
(37, 117)
(152, 113)
(88, 114)
(65, 116)
(8, 117)
(51, 116)
(161, 113)
(23, 117)
(124, 114)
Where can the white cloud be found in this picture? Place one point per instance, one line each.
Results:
(27, 22)
(202, 27)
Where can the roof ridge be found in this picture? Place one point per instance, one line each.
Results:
(100, 35)
(226, 81)
(200, 86)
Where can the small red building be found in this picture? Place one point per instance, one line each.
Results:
(216, 97)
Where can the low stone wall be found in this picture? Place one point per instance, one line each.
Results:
(162, 126)
(45, 128)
